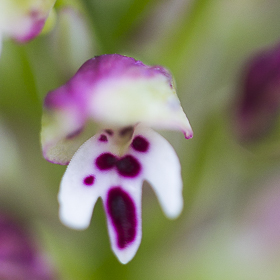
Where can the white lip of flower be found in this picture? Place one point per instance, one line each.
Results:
(23, 20)
(128, 97)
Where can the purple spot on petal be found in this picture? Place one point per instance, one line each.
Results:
(106, 161)
(89, 180)
(103, 138)
(109, 131)
(122, 211)
(140, 144)
(128, 166)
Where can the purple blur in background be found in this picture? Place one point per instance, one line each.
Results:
(19, 257)
(259, 99)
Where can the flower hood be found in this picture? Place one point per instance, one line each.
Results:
(114, 91)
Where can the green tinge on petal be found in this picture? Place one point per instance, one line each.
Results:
(62, 135)
(151, 101)
(113, 91)
(50, 22)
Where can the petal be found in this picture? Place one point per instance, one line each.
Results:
(161, 168)
(115, 90)
(24, 20)
(81, 186)
(123, 209)
(109, 167)
(62, 134)
(96, 170)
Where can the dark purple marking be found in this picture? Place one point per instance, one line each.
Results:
(128, 166)
(106, 161)
(75, 133)
(122, 212)
(103, 138)
(109, 131)
(89, 180)
(140, 144)
(126, 130)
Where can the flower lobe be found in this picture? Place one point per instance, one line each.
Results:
(122, 211)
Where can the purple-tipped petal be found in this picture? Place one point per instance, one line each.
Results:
(114, 90)
(23, 20)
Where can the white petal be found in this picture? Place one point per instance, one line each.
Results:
(126, 238)
(75, 197)
(121, 194)
(162, 170)
(120, 184)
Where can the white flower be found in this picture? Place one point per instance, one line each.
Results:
(125, 97)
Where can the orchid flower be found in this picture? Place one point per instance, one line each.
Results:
(23, 20)
(125, 97)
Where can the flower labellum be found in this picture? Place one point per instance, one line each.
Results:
(125, 97)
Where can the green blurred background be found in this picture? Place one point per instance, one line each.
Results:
(230, 226)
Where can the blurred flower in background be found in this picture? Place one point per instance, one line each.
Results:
(19, 256)
(23, 20)
(229, 225)
(259, 98)
(72, 40)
